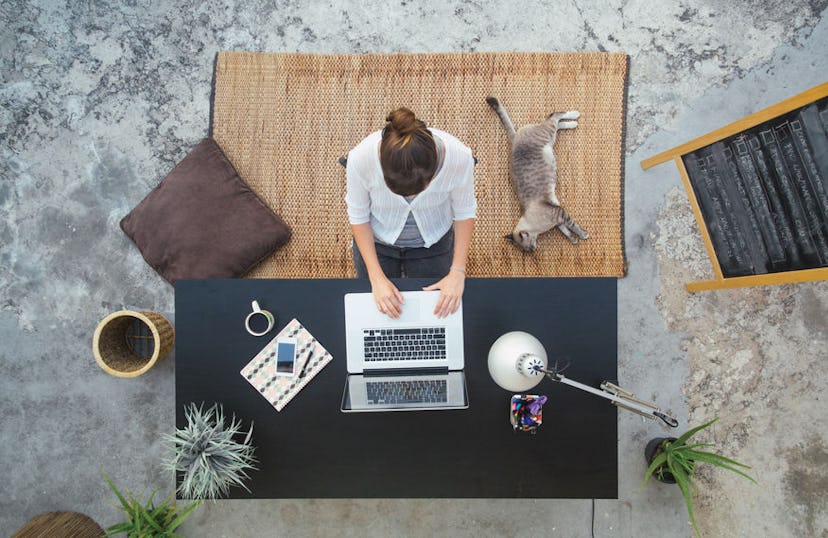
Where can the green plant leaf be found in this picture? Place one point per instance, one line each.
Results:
(124, 504)
(697, 454)
(689, 433)
(183, 515)
(657, 461)
(152, 522)
(137, 522)
(685, 462)
(696, 445)
(724, 463)
(158, 511)
(118, 528)
(684, 483)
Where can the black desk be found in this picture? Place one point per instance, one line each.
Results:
(312, 450)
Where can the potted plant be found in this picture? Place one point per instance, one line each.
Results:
(145, 520)
(209, 454)
(673, 461)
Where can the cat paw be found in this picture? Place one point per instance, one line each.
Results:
(568, 234)
(567, 124)
(571, 115)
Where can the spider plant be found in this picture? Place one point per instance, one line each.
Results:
(208, 455)
(678, 458)
(145, 520)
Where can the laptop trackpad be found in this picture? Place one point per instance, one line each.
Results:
(411, 310)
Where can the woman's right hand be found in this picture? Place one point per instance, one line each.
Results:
(388, 298)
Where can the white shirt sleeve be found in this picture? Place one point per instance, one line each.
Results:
(463, 202)
(357, 196)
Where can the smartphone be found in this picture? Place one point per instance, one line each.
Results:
(285, 356)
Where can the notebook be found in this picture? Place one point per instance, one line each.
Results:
(410, 363)
(279, 390)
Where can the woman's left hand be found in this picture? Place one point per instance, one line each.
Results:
(451, 292)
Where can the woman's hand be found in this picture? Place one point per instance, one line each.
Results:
(388, 298)
(451, 292)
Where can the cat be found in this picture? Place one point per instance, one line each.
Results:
(535, 173)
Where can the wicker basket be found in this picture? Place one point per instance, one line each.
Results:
(60, 525)
(128, 343)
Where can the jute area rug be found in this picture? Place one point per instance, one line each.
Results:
(285, 119)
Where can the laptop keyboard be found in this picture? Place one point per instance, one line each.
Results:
(397, 392)
(404, 344)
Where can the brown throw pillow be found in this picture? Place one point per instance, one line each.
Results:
(203, 221)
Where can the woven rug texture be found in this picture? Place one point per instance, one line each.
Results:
(284, 119)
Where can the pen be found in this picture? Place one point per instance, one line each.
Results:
(305, 365)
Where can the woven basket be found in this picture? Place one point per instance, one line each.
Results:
(128, 343)
(60, 525)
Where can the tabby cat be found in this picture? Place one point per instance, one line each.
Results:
(535, 173)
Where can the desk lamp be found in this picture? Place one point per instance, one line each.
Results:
(517, 362)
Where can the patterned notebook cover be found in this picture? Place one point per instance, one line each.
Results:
(279, 390)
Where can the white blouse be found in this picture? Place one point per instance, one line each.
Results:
(449, 196)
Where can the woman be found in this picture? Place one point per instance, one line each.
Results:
(411, 205)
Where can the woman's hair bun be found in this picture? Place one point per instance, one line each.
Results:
(408, 155)
(403, 121)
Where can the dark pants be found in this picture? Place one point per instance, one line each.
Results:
(396, 262)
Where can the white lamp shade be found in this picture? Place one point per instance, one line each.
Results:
(508, 359)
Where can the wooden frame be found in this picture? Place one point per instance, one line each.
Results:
(676, 154)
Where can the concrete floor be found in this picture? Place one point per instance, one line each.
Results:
(99, 101)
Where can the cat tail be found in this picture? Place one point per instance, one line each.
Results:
(503, 115)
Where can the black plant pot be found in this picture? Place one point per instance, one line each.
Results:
(652, 450)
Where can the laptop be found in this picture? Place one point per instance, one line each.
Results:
(411, 363)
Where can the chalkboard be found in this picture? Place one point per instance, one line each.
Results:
(759, 191)
(763, 193)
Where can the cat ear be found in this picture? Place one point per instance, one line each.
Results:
(524, 236)
(509, 238)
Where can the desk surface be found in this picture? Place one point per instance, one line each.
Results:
(312, 450)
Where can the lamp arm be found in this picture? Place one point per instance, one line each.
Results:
(618, 396)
